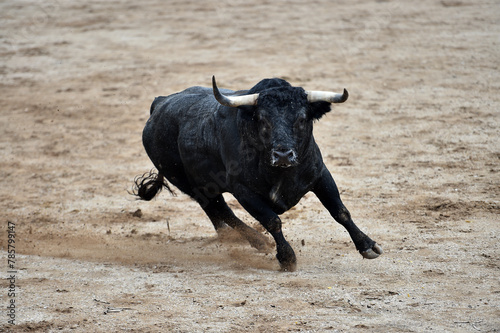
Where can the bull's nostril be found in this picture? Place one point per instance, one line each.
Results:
(280, 154)
(283, 158)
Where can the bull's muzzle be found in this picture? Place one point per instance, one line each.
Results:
(283, 158)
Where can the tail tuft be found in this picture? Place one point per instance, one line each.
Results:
(148, 185)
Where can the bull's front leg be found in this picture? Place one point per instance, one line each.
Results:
(262, 212)
(327, 192)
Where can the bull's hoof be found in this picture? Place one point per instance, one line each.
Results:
(372, 253)
(287, 258)
(288, 266)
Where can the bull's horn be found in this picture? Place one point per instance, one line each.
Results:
(326, 96)
(233, 101)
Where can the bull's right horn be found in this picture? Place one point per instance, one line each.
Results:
(326, 96)
(233, 101)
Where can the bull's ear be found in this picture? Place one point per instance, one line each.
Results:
(318, 109)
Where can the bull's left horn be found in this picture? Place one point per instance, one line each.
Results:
(233, 101)
(326, 96)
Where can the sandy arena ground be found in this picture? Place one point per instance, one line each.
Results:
(415, 152)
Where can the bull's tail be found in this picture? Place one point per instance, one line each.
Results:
(148, 185)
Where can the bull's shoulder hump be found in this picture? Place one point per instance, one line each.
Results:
(189, 94)
(196, 90)
(194, 99)
(157, 101)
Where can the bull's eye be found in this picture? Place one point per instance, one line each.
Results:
(264, 127)
(300, 124)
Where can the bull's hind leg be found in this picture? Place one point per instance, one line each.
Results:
(221, 215)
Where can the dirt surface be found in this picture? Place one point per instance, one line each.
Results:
(415, 152)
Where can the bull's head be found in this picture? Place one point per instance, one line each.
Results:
(282, 116)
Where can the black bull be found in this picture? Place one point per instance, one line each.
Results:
(256, 144)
